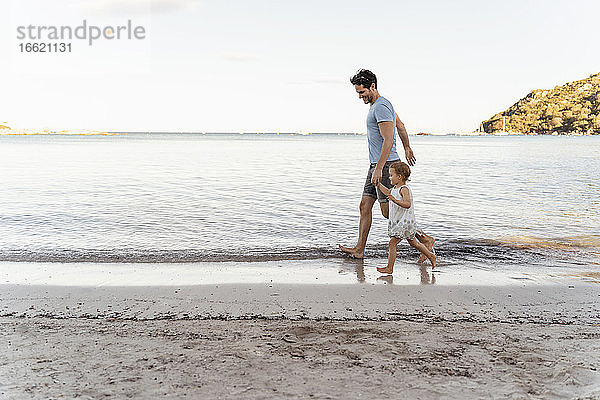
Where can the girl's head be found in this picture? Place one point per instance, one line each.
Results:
(399, 172)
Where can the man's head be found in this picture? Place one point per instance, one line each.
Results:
(365, 83)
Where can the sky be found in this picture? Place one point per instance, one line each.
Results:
(283, 66)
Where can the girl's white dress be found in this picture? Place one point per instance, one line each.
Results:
(402, 223)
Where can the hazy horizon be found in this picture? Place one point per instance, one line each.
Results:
(263, 66)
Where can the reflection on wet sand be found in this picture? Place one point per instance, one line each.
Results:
(359, 267)
(388, 279)
(360, 270)
(426, 279)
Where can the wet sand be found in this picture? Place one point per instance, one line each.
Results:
(323, 341)
(323, 272)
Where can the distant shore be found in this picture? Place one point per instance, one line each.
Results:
(115, 133)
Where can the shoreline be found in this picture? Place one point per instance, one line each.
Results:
(334, 271)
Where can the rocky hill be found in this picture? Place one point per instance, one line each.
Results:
(570, 108)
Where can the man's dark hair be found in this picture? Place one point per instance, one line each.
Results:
(364, 77)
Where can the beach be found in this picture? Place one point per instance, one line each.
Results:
(193, 200)
(280, 340)
(130, 267)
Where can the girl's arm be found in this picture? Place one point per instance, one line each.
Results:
(405, 201)
(384, 189)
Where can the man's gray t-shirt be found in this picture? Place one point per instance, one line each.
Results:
(380, 111)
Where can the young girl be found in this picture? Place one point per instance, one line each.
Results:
(401, 223)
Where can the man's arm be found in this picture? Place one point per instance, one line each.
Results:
(386, 129)
(410, 156)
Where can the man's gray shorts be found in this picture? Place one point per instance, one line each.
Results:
(371, 190)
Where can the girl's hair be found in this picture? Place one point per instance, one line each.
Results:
(401, 169)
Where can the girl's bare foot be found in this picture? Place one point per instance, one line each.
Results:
(429, 244)
(352, 251)
(386, 270)
(433, 260)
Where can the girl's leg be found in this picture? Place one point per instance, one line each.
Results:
(421, 247)
(391, 256)
(428, 241)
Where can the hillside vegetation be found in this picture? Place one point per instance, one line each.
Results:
(570, 108)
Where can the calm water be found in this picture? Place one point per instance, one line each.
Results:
(490, 201)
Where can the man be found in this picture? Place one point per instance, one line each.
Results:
(381, 122)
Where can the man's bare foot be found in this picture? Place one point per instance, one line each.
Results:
(385, 270)
(429, 244)
(433, 260)
(352, 252)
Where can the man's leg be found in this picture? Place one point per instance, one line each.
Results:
(385, 209)
(364, 226)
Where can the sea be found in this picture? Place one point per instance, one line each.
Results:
(493, 203)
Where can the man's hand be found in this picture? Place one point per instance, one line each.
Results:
(410, 156)
(376, 177)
